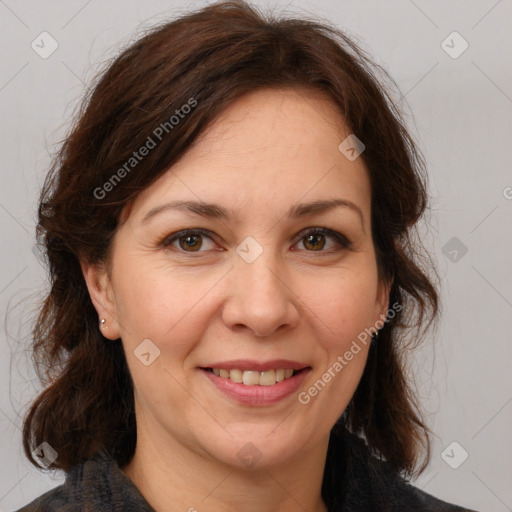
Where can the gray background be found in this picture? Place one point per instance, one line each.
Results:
(462, 119)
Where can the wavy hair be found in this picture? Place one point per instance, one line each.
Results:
(215, 55)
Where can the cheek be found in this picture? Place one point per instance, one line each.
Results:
(161, 304)
(345, 306)
(170, 309)
(172, 306)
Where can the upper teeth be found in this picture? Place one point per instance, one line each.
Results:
(253, 378)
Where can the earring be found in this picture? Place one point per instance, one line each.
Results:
(102, 323)
(375, 335)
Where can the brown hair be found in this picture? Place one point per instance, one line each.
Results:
(214, 56)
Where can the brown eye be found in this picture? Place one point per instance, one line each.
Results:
(315, 242)
(313, 239)
(190, 241)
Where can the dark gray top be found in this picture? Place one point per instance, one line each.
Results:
(354, 481)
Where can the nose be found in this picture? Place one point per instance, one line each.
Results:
(261, 298)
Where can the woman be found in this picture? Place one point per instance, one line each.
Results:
(227, 230)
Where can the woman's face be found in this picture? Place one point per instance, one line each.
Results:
(252, 291)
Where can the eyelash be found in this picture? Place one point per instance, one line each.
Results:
(343, 242)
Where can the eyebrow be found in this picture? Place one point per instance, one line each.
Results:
(215, 211)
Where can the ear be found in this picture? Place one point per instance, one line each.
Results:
(103, 298)
(382, 304)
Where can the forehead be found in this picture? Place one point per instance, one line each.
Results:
(268, 150)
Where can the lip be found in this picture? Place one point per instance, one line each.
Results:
(258, 366)
(257, 396)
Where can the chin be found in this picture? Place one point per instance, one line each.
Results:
(257, 448)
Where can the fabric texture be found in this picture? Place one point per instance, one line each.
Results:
(354, 481)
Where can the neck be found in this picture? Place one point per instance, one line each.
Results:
(173, 477)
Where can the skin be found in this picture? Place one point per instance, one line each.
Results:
(268, 151)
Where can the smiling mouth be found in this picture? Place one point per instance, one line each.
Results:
(255, 378)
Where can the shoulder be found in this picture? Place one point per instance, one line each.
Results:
(363, 482)
(54, 500)
(407, 494)
(96, 484)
